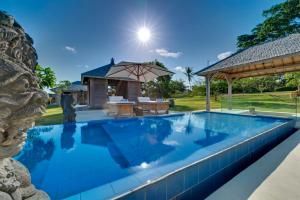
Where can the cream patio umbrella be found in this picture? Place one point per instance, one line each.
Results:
(142, 72)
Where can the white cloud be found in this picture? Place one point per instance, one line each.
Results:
(71, 49)
(83, 66)
(179, 69)
(165, 53)
(224, 55)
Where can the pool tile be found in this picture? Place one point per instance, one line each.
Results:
(225, 159)
(203, 170)
(98, 193)
(214, 164)
(125, 184)
(244, 149)
(191, 176)
(149, 175)
(202, 189)
(218, 179)
(175, 184)
(251, 146)
(238, 152)
(186, 195)
(157, 190)
(136, 195)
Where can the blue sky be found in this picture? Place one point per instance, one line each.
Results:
(73, 36)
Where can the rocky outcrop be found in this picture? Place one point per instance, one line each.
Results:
(21, 101)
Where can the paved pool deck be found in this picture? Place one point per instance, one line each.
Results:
(275, 176)
(88, 115)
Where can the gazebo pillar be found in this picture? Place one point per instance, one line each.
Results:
(229, 98)
(207, 82)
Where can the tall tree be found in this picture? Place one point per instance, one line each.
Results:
(163, 82)
(188, 71)
(160, 87)
(46, 77)
(281, 20)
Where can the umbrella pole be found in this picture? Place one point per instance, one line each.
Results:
(139, 82)
(138, 87)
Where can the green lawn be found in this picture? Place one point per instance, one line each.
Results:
(193, 103)
(276, 102)
(53, 115)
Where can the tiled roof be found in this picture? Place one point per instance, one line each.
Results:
(283, 46)
(99, 72)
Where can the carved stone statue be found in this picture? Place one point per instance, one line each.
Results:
(66, 103)
(21, 101)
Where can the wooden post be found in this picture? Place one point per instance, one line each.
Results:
(229, 98)
(207, 82)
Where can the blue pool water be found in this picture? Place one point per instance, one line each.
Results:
(117, 155)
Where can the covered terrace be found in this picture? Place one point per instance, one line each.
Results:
(273, 57)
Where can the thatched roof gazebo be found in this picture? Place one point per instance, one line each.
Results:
(273, 57)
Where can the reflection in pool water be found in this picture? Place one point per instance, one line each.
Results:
(67, 140)
(68, 159)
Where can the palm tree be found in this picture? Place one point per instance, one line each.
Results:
(188, 71)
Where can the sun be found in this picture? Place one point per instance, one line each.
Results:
(144, 34)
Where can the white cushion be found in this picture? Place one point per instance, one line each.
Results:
(144, 99)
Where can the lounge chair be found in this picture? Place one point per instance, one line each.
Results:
(118, 106)
(153, 107)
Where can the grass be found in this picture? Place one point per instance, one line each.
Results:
(193, 103)
(275, 101)
(53, 115)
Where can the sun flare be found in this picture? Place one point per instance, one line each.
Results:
(144, 34)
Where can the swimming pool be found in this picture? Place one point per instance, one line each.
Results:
(111, 157)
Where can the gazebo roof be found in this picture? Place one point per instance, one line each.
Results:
(75, 86)
(278, 56)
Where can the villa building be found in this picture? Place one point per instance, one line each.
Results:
(99, 86)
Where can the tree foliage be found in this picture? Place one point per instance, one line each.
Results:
(62, 85)
(46, 77)
(164, 86)
(188, 72)
(293, 80)
(281, 19)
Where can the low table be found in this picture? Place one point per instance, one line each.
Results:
(120, 108)
(155, 106)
